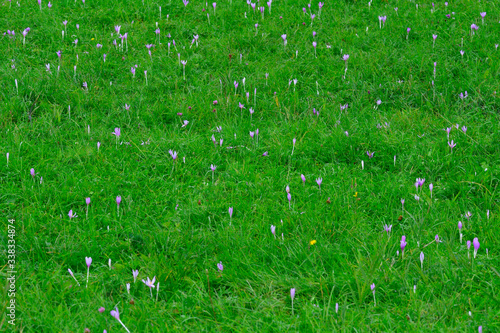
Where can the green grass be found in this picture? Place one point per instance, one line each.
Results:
(173, 220)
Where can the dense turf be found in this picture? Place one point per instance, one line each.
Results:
(173, 221)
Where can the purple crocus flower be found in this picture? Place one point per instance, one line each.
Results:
(219, 265)
(452, 145)
(273, 230)
(150, 284)
(464, 129)
(372, 287)
(420, 182)
(319, 181)
(32, 172)
(230, 212)
(73, 276)
(422, 260)
(88, 261)
(292, 296)
(116, 315)
(468, 248)
(303, 179)
(173, 154)
(475, 242)
(135, 274)
(87, 201)
(436, 238)
(71, 214)
(265, 153)
(473, 27)
(116, 132)
(370, 155)
(59, 54)
(101, 309)
(403, 243)
(387, 228)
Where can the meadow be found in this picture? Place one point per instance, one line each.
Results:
(250, 167)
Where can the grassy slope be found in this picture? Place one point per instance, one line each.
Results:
(178, 246)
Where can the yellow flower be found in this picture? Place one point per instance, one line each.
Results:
(312, 242)
(92, 39)
(356, 195)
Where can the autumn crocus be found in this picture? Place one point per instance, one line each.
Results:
(289, 197)
(173, 154)
(437, 240)
(293, 144)
(345, 58)
(314, 45)
(403, 244)
(117, 133)
(452, 145)
(407, 33)
(71, 214)
(71, 273)
(284, 40)
(472, 28)
(118, 202)
(431, 187)
(373, 291)
(319, 181)
(32, 172)
(220, 266)
(292, 296)
(116, 315)
(150, 284)
(434, 39)
(303, 179)
(25, 33)
(460, 230)
(483, 14)
(387, 228)
(213, 167)
(422, 260)
(468, 248)
(230, 214)
(475, 242)
(135, 274)
(88, 261)
(273, 230)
